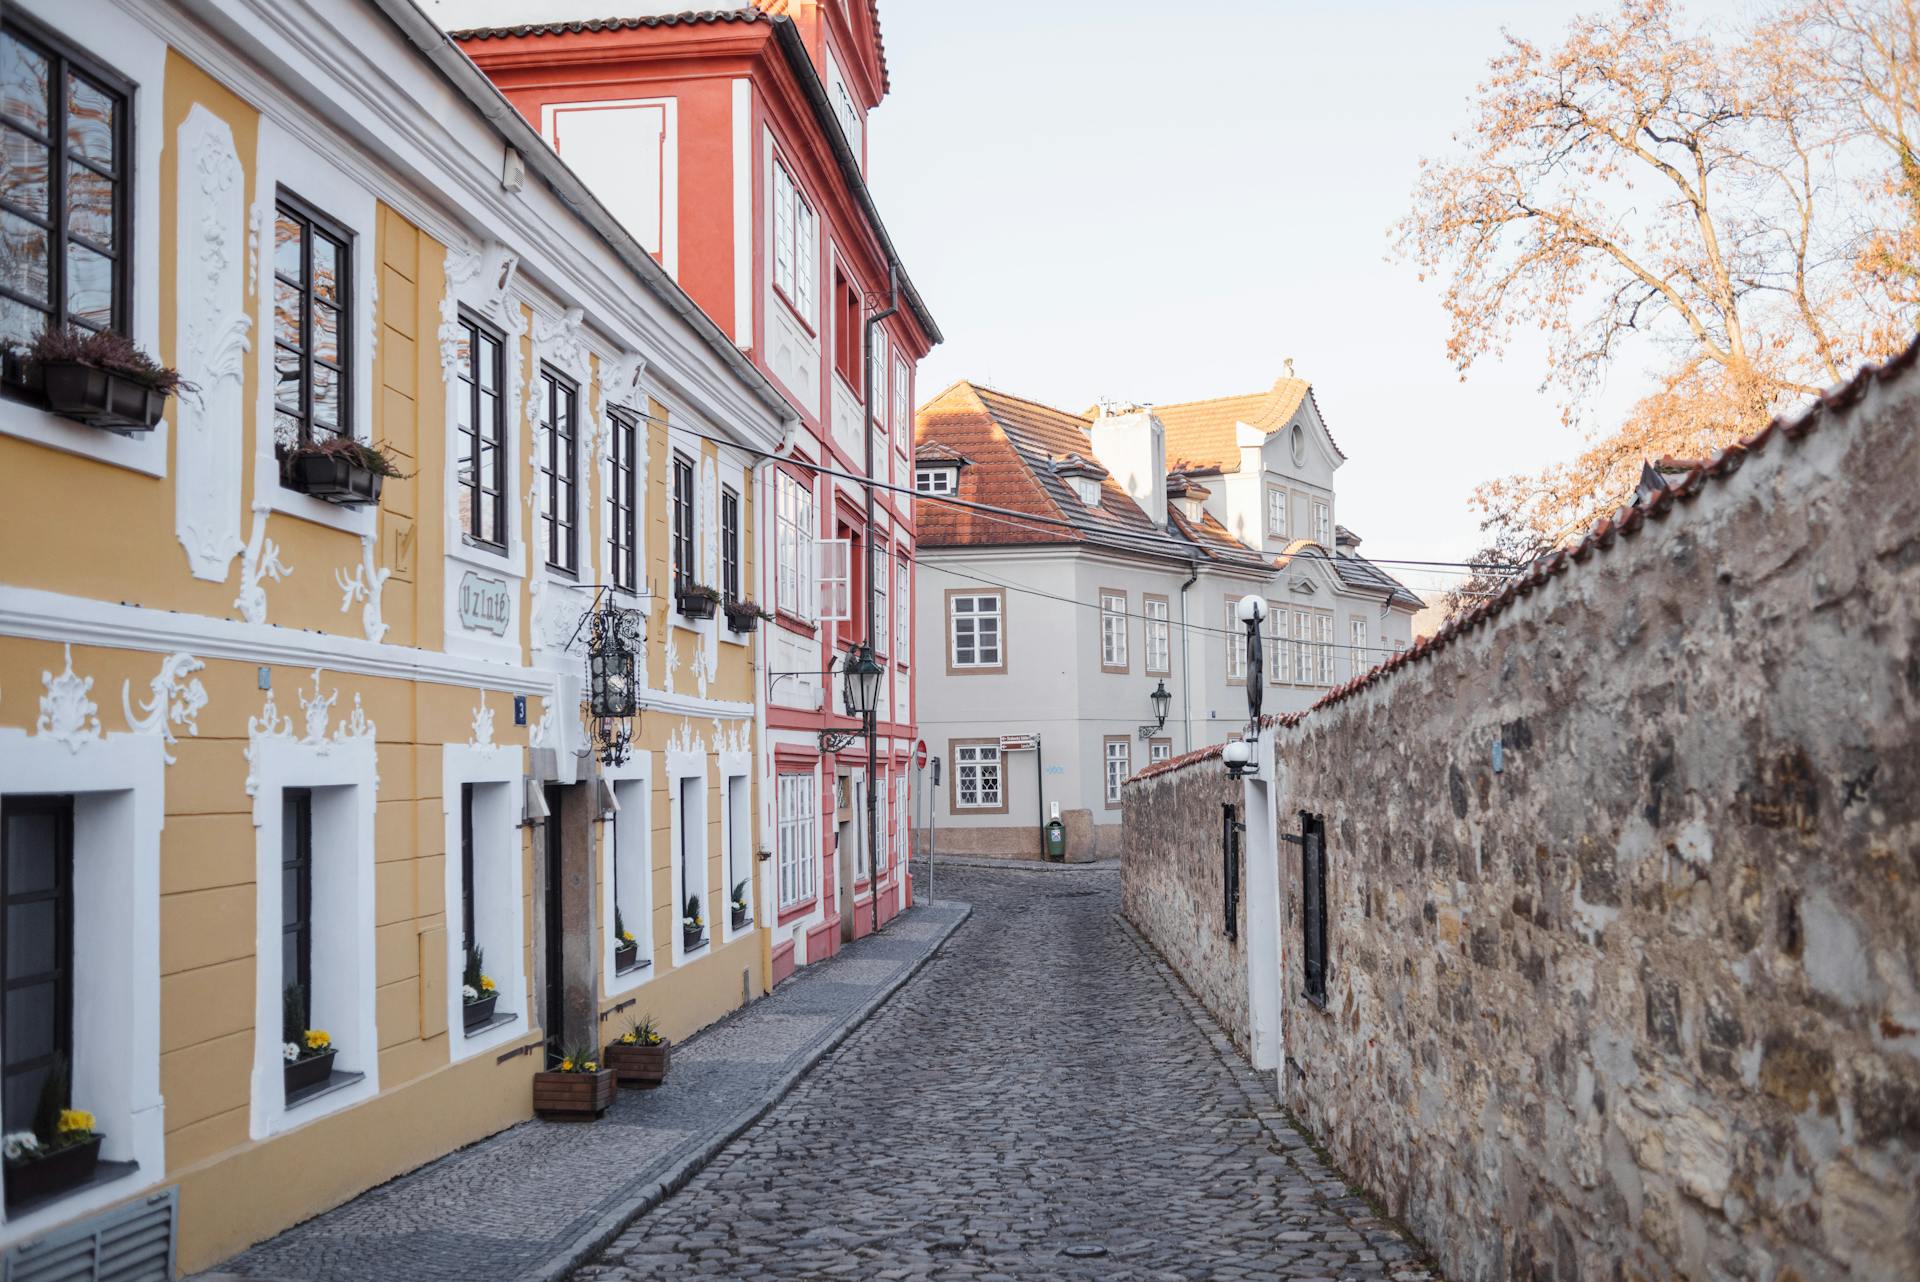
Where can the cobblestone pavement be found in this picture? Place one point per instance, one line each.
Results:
(539, 1214)
(1042, 1101)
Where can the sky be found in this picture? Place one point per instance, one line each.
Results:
(1163, 202)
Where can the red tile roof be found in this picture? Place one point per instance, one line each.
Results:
(1627, 523)
(1201, 435)
(687, 18)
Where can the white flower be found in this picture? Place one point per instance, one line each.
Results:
(469, 992)
(291, 1051)
(19, 1144)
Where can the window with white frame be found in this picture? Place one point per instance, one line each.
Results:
(935, 480)
(794, 590)
(682, 529)
(729, 543)
(880, 625)
(1358, 656)
(1276, 644)
(1158, 630)
(833, 570)
(1236, 637)
(481, 414)
(796, 237)
(1159, 750)
(312, 326)
(1113, 631)
(623, 502)
(845, 110)
(903, 403)
(973, 630)
(1323, 524)
(976, 776)
(882, 403)
(798, 835)
(902, 619)
(1323, 643)
(1119, 765)
(1302, 650)
(1276, 512)
(902, 815)
(559, 403)
(881, 827)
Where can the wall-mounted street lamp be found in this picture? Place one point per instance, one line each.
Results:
(1240, 756)
(615, 640)
(860, 677)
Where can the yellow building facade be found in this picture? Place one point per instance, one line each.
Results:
(251, 738)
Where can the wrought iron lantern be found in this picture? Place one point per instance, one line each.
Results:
(615, 640)
(1161, 699)
(1252, 610)
(861, 675)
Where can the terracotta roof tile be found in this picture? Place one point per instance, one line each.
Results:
(690, 17)
(1202, 437)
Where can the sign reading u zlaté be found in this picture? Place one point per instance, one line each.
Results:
(485, 604)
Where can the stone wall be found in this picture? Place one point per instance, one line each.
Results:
(1172, 886)
(1624, 888)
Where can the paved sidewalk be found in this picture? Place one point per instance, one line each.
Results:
(542, 1218)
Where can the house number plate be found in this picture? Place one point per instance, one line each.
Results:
(485, 604)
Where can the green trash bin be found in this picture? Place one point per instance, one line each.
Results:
(1056, 840)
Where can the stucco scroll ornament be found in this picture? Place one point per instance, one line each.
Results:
(317, 712)
(256, 229)
(268, 725)
(366, 583)
(482, 736)
(66, 714)
(560, 342)
(261, 560)
(685, 740)
(672, 658)
(542, 733)
(172, 701)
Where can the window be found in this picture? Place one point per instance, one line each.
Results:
(973, 631)
(1119, 765)
(467, 935)
(1236, 644)
(1276, 665)
(1323, 524)
(976, 777)
(560, 471)
(1087, 490)
(480, 403)
(795, 592)
(881, 364)
(902, 403)
(1113, 630)
(880, 626)
(880, 827)
(1358, 659)
(36, 997)
(1158, 629)
(795, 237)
(1159, 750)
(729, 543)
(833, 571)
(1232, 827)
(1323, 642)
(1276, 513)
(1313, 905)
(935, 480)
(312, 325)
(65, 197)
(798, 833)
(902, 618)
(1302, 652)
(623, 503)
(296, 910)
(682, 523)
(846, 330)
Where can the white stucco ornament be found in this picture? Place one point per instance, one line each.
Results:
(482, 736)
(172, 701)
(67, 715)
(366, 583)
(260, 561)
(268, 725)
(316, 720)
(541, 735)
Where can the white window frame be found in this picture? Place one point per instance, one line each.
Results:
(496, 773)
(1116, 752)
(936, 480)
(1357, 655)
(974, 614)
(1276, 528)
(1157, 634)
(629, 841)
(902, 612)
(795, 592)
(1323, 641)
(1113, 631)
(1302, 649)
(986, 763)
(682, 769)
(796, 231)
(833, 559)
(797, 810)
(1323, 523)
(1236, 645)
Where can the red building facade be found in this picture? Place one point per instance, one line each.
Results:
(732, 145)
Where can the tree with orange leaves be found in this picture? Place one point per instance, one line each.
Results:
(1719, 201)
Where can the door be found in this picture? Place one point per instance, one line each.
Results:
(554, 1018)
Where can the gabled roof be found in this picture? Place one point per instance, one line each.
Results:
(1013, 443)
(1202, 435)
(932, 452)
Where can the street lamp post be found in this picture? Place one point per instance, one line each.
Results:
(1241, 757)
(860, 676)
(1161, 699)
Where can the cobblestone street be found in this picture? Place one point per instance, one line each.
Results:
(1041, 1101)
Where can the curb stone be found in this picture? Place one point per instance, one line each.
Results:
(601, 1234)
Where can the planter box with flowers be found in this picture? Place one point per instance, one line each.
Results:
(578, 1089)
(693, 926)
(99, 379)
(697, 600)
(739, 905)
(743, 616)
(626, 949)
(339, 469)
(309, 1052)
(640, 1057)
(478, 993)
(61, 1152)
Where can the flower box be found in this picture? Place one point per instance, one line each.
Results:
(644, 1066)
(61, 1169)
(742, 617)
(692, 937)
(697, 602)
(625, 955)
(309, 1071)
(477, 1013)
(740, 918)
(579, 1097)
(334, 477)
(101, 398)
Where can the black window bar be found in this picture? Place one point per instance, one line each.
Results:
(1231, 829)
(481, 402)
(559, 403)
(1313, 904)
(682, 523)
(296, 902)
(36, 985)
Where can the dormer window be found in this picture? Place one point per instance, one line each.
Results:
(1193, 509)
(1088, 489)
(936, 480)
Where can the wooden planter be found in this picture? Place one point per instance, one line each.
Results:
(58, 1171)
(624, 955)
(697, 605)
(310, 1071)
(335, 478)
(572, 1097)
(740, 918)
(101, 398)
(691, 938)
(639, 1065)
(743, 621)
(477, 1013)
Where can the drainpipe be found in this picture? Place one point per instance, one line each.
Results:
(1186, 651)
(873, 725)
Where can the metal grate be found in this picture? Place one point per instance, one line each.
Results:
(1231, 829)
(131, 1243)
(1313, 904)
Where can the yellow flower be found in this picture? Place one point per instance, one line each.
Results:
(74, 1119)
(626, 937)
(486, 984)
(628, 1039)
(317, 1039)
(566, 1066)
(589, 1067)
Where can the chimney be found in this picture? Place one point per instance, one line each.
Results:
(1130, 442)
